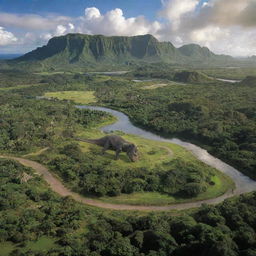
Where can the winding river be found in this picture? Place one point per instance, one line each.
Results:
(228, 80)
(243, 183)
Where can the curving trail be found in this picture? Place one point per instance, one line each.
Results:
(243, 183)
(57, 186)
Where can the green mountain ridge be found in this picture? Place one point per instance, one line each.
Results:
(195, 51)
(79, 50)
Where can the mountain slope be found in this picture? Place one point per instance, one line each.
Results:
(79, 50)
(197, 53)
(78, 47)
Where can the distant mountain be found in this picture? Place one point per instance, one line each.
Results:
(196, 52)
(252, 59)
(191, 77)
(80, 51)
(81, 48)
(9, 56)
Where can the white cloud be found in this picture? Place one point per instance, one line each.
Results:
(114, 23)
(60, 30)
(6, 38)
(225, 26)
(71, 26)
(92, 13)
(32, 22)
(46, 36)
(229, 12)
(173, 10)
(208, 34)
(233, 41)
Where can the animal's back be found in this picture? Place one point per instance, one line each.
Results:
(115, 138)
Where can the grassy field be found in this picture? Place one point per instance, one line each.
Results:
(150, 154)
(146, 198)
(153, 86)
(79, 97)
(18, 87)
(154, 154)
(42, 245)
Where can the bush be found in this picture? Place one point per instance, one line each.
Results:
(193, 189)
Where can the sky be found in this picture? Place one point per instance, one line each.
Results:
(224, 26)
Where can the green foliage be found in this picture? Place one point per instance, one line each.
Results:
(28, 123)
(29, 211)
(93, 174)
(10, 78)
(219, 117)
(34, 221)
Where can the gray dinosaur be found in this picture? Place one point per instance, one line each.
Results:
(116, 143)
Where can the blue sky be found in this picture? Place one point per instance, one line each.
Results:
(224, 26)
(74, 8)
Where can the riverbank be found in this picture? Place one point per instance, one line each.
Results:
(243, 183)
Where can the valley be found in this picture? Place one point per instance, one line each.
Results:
(191, 114)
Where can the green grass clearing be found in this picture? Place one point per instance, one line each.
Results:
(151, 85)
(79, 97)
(152, 155)
(19, 87)
(6, 248)
(154, 86)
(42, 245)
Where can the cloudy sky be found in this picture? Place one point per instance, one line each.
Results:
(225, 26)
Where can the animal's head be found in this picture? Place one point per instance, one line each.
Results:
(132, 152)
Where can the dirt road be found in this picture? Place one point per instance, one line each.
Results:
(57, 186)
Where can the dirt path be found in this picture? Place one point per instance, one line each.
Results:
(59, 188)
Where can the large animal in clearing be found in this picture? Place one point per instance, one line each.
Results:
(117, 143)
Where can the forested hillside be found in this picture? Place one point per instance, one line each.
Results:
(79, 52)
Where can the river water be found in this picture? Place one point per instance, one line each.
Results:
(243, 183)
(228, 80)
